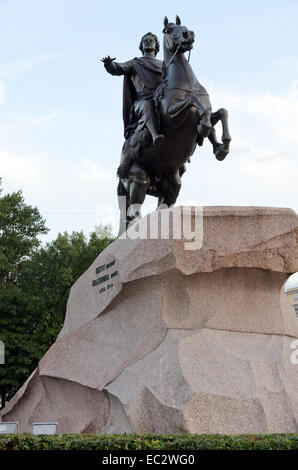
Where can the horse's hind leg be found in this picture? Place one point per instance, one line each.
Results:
(169, 189)
(131, 195)
(123, 203)
(138, 182)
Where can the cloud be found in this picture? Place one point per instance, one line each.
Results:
(71, 196)
(17, 169)
(18, 121)
(2, 92)
(255, 117)
(260, 170)
(91, 172)
(262, 166)
(19, 65)
(274, 168)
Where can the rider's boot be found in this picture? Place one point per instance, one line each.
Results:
(156, 137)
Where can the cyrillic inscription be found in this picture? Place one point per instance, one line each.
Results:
(105, 277)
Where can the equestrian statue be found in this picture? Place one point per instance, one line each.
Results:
(166, 114)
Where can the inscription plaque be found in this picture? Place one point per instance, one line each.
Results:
(106, 276)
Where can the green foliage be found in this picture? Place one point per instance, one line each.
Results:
(20, 225)
(150, 442)
(35, 283)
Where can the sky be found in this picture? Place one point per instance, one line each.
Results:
(61, 128)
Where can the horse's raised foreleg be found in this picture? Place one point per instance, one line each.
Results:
(220, 150)
(222, 115)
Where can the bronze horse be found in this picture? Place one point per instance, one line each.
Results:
(186, 118)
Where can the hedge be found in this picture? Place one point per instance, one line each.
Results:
(149, 442)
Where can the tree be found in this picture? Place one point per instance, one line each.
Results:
(35, 283)
(20, 226)
(34, 311)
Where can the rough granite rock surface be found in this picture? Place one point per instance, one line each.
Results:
(160, 338)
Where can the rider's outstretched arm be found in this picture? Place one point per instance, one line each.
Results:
(115, 68)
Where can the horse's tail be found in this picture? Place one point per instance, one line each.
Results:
(126, 160)
(123, 168)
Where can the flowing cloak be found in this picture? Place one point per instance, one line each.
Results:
(149, 73)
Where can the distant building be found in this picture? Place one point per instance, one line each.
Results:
(292, 295)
